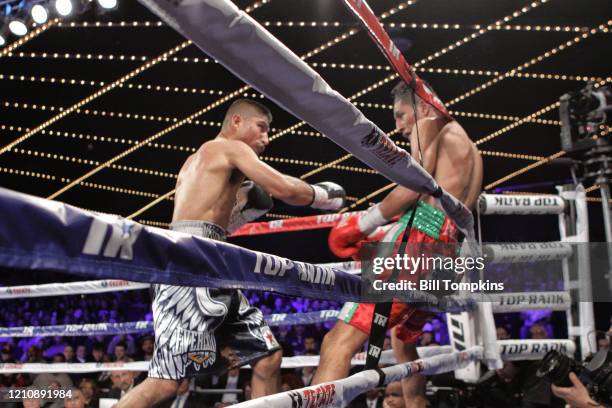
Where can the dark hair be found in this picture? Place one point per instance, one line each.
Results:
(239, 106)
(404, 93)
(121, 344)
(98, 346)
(94, 384)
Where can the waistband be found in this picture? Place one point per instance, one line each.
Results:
(200, 228)
(428, 219)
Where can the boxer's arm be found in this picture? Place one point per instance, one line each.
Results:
(289, 189)
(401, 198)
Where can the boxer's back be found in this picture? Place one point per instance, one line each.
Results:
(458, 167)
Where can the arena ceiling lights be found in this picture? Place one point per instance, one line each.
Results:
(18, 17)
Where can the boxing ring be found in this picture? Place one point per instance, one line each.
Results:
(123, 255)
(59, 237)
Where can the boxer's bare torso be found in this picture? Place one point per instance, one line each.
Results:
(458, 165)
(206, 186)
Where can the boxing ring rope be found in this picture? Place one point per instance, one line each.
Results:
(94, 329)
(340, 392)
(305, 94)
(571, 209)
(59, 237)
(113, 285)
(288, 362)
(244, 47)
(510, 350)
(501, 303)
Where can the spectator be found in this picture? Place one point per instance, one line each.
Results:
(235, 378)
(81, 354)
(45, 380)
(426, 339)
(290, 381)
(32, 403)
(577, 395)
(123, 381)
(6, 354)
(502, 333)
(76, 399)
(89, 389)
(34, 355)
(69, 354)
(97, 353)
(128, 343)
(146, 349)
(538, 332)
(387, 343)
(537, 393)
(394, 397)
(311, 345)
(120, 353)
(371, 399)
(247, 391)
(185, 398)
(307, 373)
(603, 342)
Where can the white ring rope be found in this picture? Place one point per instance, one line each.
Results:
(114, 285)
(511, 350)
(520, 204)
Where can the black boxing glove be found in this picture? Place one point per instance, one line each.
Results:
(327, 196)
(252, 202)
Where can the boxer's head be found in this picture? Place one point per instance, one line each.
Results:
(248, 121)
(404, 101)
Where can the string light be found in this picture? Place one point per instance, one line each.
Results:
(107, 24)
(511, 155)
(346, 35)
(429, 58)
(171, 128)
(32, 34)
(50, 177)
(333, 24)
(106, 57)
(256, 5)
(83, 82)
(517, 123)
(61, 157)
(354, 31)
(27, 173)
(93, 96)
(515, 71)
(126, 115)
(458, 71)
(148, 140)
(368, 197)
(158, 224)
(284, 160)
(536, 164)
(468, 114)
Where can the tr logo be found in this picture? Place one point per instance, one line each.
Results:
(380, 320)
(374, 351)
(123, 235)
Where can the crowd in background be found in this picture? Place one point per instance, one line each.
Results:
(294, 339)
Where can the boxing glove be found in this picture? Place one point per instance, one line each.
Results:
(252, 202)
(327, 196)
(346, 238)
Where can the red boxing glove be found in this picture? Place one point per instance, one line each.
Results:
(346, 237)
